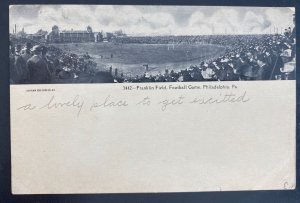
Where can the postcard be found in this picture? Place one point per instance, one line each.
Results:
(143, 99)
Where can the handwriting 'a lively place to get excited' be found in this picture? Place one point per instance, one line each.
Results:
(78, 103)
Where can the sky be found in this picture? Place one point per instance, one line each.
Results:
(152, 20)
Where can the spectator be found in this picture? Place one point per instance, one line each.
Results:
(38, 69)
(264, 70)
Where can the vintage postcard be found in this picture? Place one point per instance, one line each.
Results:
(131, 99)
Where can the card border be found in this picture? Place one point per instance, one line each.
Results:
(5, 160)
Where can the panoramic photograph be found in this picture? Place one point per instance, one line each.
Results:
(61, 44)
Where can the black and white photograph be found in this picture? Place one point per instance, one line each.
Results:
(59, 44)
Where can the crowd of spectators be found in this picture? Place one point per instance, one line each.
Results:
(189, 39)
(34, 63)
(247, 57)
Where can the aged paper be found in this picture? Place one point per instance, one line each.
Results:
(63, 143)
(139, 99)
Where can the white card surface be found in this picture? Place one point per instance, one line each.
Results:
(248, 144)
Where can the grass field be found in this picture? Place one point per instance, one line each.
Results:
(130, 58)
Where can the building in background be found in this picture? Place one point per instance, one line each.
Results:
(53, 36)
(39, 36)
(57, 36)
(99, 37)
(76, 36)
(67, 36)
(108, 36)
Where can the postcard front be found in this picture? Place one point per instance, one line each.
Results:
(129, 99)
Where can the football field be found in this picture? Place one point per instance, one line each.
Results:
(131, 59)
